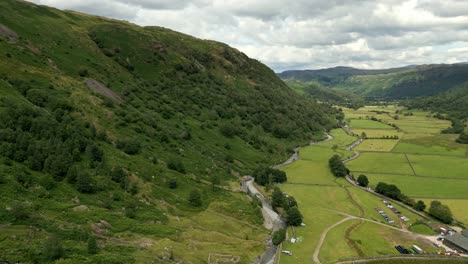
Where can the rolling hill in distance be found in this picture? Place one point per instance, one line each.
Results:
(396, 83)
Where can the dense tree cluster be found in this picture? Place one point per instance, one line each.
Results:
(337, 167)
(441, 212)
(389, 190)
(48, 139)
(289, 204)
(266, 175)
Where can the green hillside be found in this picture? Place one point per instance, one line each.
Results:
(121, 133)
(397, 83)
(326, 95)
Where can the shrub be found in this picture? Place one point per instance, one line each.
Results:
(19, 211)
(195, 198)
(84, 183)
(176, 165)
(119, 175)
(92, 245)
(172, 183)
(83, 73)
(129, 146)
(279, 236)
(130, 210)
(53, 249)
(229, 130)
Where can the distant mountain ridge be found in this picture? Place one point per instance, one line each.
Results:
(395, 83)
(304, 75)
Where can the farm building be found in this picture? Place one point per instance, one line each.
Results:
(457, 241)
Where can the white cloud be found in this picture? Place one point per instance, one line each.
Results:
(308, 33)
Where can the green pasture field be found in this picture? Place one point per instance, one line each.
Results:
(340, 138)
(389, 108)
(442, 144)
(378, 133)
(316, 216)
(422, 186)
(416, 129)
(447, 260)
(377, 145)
(369, 202)
(363, 123)
(380, 163)
(369, 237)
(306, 171)
(302, 252)
(459, 207)
(439, 166)
(422, 229)
(335, 245)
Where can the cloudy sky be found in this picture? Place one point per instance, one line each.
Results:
(308, 34)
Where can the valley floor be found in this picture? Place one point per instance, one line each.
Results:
(341, 220)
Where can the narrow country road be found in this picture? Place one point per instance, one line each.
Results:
(295, 155)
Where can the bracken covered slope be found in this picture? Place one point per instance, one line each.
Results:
(116, 132)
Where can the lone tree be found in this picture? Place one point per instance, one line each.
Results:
(294, 217)
(362, 180)
(420, 206)
(363, 135)
(195, 198)
(92, 245)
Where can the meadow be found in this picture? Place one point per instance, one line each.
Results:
(439, 166)
(378, 133)
(377, 145)
(363, 123)
(384, 162)
(424, 163)
(422, 186)
(458, 207)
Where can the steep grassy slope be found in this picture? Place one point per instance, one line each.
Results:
(114, 131)
(398, 83)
